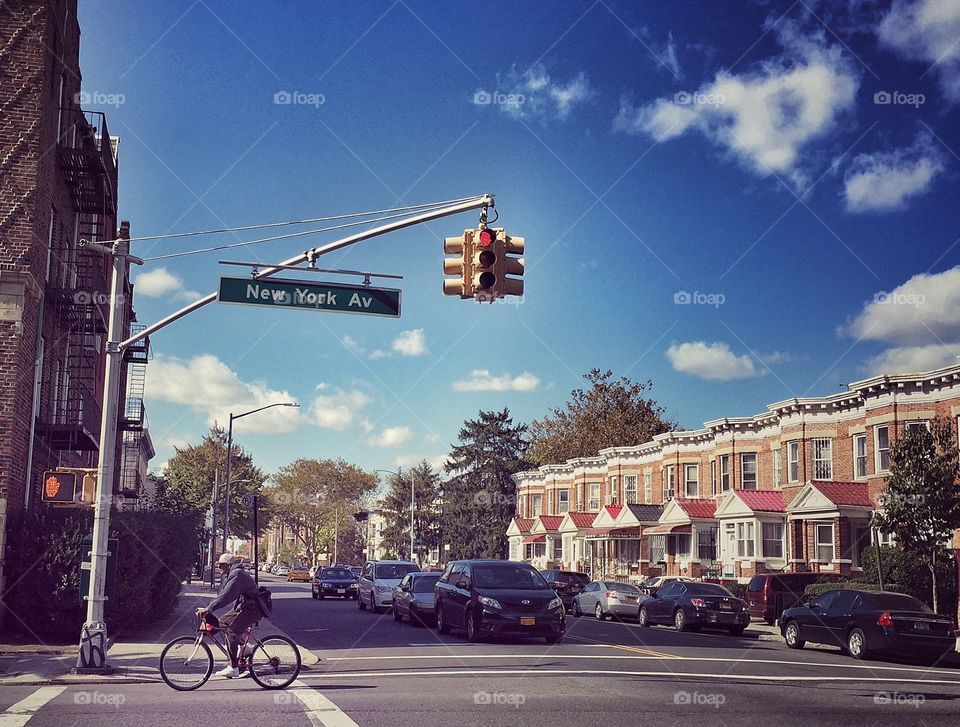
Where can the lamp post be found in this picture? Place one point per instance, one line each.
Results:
(233, 417)
(412, 506)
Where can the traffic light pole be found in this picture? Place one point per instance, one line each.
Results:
(93, 637)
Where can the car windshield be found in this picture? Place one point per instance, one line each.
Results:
(706, 589)
(895, 602)
(650, 582)
(621, 587)
(507, 576)
(395, 571)
(425, 584)
(336, 573)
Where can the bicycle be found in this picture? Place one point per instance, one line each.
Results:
(186, 663)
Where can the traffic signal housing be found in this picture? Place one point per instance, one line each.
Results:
(459, 266)
(59, 487)
(485, 260)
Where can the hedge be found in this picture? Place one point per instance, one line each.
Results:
(817, 589)
(42, 567)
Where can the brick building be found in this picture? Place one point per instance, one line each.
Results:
(58, 184)
(792, 488)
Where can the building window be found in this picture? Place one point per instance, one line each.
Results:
(860, 456)
(748, 470)
(822, 458)
(648, 487)
(612, 497)
(671, 484)
(773, 540)
(683, 545)
(916, 427)
(745, 540)
(724, 472)
(824, 542)
(594, 504)
(691, 480)
(777, 468)
(793, 461)
(550, 497)
(707, 543)
(713, 477)
(557, 549)
(630, 489)
(658, 546)
(882, 435)
(536, 505)
(563, 501)
(513, 550)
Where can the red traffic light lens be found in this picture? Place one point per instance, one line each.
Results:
(486, 237)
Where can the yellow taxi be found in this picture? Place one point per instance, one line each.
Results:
(298, 574)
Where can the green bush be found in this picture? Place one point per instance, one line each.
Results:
(44, 550)
(913, 575)
(817, 589)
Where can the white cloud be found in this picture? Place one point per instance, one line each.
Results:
(410, 343)
(925, 307)
(884, 181)
(483, 380)
(712, 361)
(391, 437)
(351, 344)
(927, 31)
(161, 282)
(913, 359)
(207, 385)
(406, 461)
(339, 409)
(533, 94)
(767, 117)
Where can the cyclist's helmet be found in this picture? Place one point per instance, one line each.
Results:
(226, 559)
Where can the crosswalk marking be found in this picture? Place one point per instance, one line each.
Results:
(23, 711)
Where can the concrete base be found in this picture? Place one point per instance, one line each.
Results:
(100, 670)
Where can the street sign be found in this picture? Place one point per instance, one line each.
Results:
(248, 500)
(310, 295)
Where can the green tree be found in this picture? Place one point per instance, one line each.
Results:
(427, 492)
(187, 481)
(611, 413)
(479, 498)
(921, 502)
(307, 495)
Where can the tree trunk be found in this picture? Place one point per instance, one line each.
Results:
(933, 579)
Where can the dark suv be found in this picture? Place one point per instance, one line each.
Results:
(566, 583)
(770, 594)
(494, 597)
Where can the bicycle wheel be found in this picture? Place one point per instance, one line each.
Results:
(186, 665)
(275, 662)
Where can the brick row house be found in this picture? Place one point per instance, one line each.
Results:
(790, 489)
(58, 185)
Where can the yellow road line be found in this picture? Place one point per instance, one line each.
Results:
(633, 649)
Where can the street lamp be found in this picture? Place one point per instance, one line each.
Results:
(412, 506)
(226, 517)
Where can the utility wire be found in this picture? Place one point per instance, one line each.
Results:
(329, 218)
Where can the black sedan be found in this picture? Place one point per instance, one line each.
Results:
(688, 606)
(867, 622)
(495, 597)
(334, 582)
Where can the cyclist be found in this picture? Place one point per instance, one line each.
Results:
(238, 586)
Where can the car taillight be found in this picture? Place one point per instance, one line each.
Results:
(698, 603)
(885, 619)
(613, 595)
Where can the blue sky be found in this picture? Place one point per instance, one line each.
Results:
(744, 203)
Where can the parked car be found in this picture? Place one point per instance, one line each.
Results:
(770, 594)
(337, 582)
(282, 571)
(298, 573)
(414, 598)
(652, 585)
(866, 622)
(487, 597)
(378, 579)
(566, 583)
(356, 570)
(689, 605)
(608, 599)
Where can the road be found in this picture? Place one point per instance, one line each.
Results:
(378, 672)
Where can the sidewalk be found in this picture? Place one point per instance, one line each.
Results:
(132, 653)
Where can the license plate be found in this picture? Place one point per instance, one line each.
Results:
(726, 606)
(921, 626)
(528, 621)
(341, 590)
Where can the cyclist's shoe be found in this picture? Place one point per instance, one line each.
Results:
(230, 672)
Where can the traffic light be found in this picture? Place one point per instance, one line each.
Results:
(506, 248)
(459, 266)
(483, 269)
(60, 487)
(494, 261)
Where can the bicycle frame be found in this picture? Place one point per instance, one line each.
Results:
(209, 631)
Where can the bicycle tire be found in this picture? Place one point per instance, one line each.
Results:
(188, 643)
(275, 662)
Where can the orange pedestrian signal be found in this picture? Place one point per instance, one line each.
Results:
(59, 487)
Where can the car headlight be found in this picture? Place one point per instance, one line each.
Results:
(490, 602)
(384, 589)
(325, 585)
(555, 603)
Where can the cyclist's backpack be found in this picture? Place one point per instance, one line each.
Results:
(264, 600)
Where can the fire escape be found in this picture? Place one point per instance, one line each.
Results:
(133, 421)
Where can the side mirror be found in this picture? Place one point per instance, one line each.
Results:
(462, 585)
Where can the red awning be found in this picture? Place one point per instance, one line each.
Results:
(667, 529)
(535, 539)
(598, 532)
(626, 532)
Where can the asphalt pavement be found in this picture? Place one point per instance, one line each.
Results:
(374, 671)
